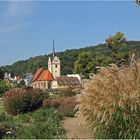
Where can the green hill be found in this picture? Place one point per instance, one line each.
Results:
(67, 58)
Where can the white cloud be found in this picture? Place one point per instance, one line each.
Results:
(19, 8)
(15, 16)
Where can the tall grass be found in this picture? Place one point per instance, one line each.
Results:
(110, 102)
(18, 100)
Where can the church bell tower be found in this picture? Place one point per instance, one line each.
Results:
(54, 66)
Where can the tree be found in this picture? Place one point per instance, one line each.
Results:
(1, 74)
(116, 43)
(83, 65)
(138, 3)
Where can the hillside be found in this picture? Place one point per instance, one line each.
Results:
(67, 58)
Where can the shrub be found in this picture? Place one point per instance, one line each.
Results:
(67, 92)
(110, 102)
(20, 100)
(4, 86)
(2, 130)
(40, 124)
(45, 125)
(7, 128)
(67, 106)
(51, 103)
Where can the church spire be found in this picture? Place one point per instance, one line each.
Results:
(53, 49)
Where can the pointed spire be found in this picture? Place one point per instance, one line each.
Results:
(53, 49)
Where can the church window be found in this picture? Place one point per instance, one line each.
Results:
(56, 65)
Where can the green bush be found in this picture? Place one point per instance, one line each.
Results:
(18, 101)
(4, 86)
(41, 124)
(7, 126)
(2, 130)
(45, 125)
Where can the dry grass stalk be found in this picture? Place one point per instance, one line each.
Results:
(111, 88)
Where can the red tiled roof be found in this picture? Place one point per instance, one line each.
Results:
(37, 73)
(45, 76)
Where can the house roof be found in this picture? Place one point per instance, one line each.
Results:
(38, 72)
(45, 76)
(64, 80)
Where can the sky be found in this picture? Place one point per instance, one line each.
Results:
(27, 28)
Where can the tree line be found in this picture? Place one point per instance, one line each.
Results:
(116, 49)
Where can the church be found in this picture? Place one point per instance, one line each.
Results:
(50, 78)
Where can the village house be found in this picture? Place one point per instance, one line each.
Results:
(13, 79)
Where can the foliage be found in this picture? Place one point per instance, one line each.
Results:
(115, 43)
(110, 103)
(65, 105)
(67, 58)
(2, 130)
(21, 84)
(67, 92)
(84, 64)
(51, 103)
(41, 124)
(21, 100)
(1, 74)
(138, 3)
(4, 86)
(45, 124)
(87, 63)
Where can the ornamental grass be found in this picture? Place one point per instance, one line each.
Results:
(18, 100)
(110, 102)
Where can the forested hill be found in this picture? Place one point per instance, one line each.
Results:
(67, 58)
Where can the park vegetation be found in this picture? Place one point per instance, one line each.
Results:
(34, 114)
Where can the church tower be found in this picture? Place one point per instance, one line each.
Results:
(54, 65)
(50, 65)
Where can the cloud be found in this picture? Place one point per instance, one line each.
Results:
(15, 16)
(19, 8)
